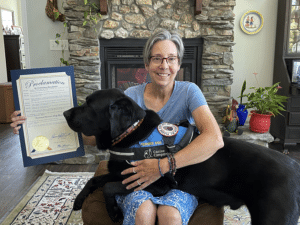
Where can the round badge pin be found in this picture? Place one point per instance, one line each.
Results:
(167, 129)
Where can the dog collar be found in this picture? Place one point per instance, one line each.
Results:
(127, 132)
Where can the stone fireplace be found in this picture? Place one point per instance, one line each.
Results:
(138, 19)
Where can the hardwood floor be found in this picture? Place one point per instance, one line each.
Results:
(15, 179)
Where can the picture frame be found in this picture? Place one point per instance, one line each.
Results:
(296, 70)
(252, 22)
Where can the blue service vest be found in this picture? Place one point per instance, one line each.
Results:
(155, 145)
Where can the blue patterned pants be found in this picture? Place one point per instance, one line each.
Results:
(184, 202)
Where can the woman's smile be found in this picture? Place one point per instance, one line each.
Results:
(163, 74)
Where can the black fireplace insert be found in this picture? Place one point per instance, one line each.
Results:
(122, 62)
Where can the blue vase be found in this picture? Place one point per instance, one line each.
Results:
(242, 113)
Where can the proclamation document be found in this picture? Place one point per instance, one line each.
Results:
(43, 95)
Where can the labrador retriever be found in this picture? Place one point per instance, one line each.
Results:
(240, 173)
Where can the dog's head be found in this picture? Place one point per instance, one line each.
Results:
(106, 114)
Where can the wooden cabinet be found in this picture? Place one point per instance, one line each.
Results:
(12, 53)
(6, 102)
(287, 50)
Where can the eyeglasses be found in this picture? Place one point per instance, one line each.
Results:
(159, 60)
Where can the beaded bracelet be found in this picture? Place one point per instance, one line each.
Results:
(170, 164)
(161, 174)
(173, 165)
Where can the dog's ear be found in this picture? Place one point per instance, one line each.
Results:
(123, 113)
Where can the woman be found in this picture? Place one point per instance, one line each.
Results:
(173, 101)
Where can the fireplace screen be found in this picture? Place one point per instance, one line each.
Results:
(123, 66)
(124, 76)
(129, 75)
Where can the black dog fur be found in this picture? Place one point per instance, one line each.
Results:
(266, 181)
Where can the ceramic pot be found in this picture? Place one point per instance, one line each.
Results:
(242, 113)
(260, 123)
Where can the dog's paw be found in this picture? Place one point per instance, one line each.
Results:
(113, 211)
(78, 203)
(115, 214)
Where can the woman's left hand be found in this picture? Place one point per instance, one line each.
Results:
(146, 172)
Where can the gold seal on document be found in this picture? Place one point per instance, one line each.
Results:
(40, 143)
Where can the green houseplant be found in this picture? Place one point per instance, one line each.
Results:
(265, 102)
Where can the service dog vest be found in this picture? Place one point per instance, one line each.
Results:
(165, 139)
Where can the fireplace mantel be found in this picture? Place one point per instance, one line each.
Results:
(198, 7)
(103, 7)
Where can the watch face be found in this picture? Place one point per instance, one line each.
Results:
(167, 129)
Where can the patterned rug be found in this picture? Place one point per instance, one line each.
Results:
(50, 201)
(238, 217)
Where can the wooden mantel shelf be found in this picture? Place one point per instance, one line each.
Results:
(103, 7)
(198, 7)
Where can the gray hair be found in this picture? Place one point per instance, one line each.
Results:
(161, 36)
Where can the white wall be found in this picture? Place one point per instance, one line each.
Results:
(41, 29)
(254, 53)
(3, 71)
(25, 33)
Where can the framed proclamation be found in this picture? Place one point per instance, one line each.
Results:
(42, 95)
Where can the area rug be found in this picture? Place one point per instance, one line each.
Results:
(51, 199)
(238, 217)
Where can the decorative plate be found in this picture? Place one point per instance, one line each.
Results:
(252, 22)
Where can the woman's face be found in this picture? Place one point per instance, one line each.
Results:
(163, 73)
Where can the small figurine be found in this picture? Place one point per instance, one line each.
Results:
(231, 120)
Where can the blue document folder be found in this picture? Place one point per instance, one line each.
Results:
(42, 95)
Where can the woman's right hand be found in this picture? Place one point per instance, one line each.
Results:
(16, 121)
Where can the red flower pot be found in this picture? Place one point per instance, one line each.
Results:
(260, 123)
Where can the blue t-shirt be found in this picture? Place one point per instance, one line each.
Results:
(186, 97)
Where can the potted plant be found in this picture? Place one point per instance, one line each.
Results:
(241, 111)
(266, 103)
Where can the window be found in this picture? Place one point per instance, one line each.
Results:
(7, 17)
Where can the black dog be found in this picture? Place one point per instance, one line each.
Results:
(266, 181)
